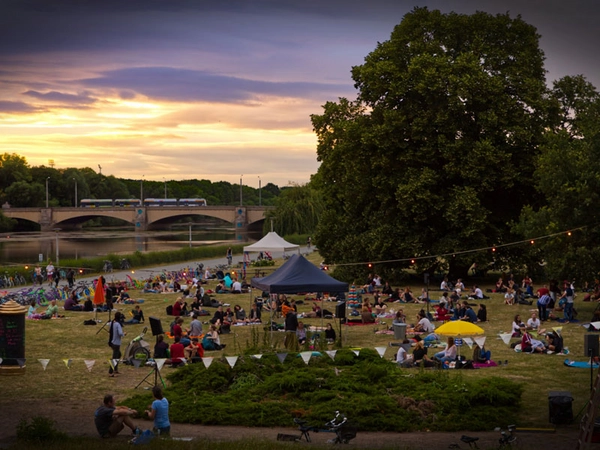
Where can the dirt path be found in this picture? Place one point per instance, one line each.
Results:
(76, 419)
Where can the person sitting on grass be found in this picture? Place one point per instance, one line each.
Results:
(161, 348)
(420, 355)
(534, 324)
(110, 419)
(380, 306)
(255, 314)
(301, 333)
(329, 334)
(448, 354)
(482, 313)
(481, 355)
(517, 326)
(403, 359)
(470, 315)
(72, 303)
(179, 307)
(554, 342)
(159, 411)
(51, 312)
(423, 325)
(177, 353)
(211, 340)
(137, 316)
(530, 345)
(367, 316)
(194, 352)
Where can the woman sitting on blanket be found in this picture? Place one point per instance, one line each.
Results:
(481, 355)
(420, 355)
(448, 354)
(380, 306)
(211, 340)
(517, 326)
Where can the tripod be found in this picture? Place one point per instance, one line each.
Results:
(157, 376)
(105, 323)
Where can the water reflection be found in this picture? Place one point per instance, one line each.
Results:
(37, 246)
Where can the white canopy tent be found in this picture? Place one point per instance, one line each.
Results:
(271, 242)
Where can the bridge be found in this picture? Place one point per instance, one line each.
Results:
(143, 218)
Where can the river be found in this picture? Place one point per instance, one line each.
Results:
(31, 247)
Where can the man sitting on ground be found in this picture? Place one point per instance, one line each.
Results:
(177, 353)
(137, 316)
(111, 419)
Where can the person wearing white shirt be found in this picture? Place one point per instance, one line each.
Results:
(236, 287)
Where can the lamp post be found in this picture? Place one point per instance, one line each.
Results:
(75, 192)
(259, 193)
(190, 228)
(165, 188)
(241, 176)
(142, 189)
(56, 230)
(47, 179)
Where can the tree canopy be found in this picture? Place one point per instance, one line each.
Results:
(437, 152)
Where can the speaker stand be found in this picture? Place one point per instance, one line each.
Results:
(105, 323)
(157, 376)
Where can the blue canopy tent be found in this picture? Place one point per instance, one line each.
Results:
(298, 275)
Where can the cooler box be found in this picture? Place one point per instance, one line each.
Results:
(561, 407)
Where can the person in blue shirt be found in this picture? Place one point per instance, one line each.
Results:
(159, 411)
(469, 315)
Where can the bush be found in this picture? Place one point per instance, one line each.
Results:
(40, 429)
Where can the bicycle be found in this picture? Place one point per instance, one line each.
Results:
(344, 433)
(508, 439)
(108, 267)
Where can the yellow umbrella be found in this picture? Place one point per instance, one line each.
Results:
(459, 328)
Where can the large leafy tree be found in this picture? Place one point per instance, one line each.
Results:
(568, 177)
(436, 153)
(297, 210)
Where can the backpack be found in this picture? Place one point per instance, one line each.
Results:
(169, 310)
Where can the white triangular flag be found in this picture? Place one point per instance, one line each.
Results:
(356, 352)
(281, 357)
(44, 362)
(136, 362)
(480, 341)
(306, 356)
(557, 329)
(506, 338)
(231, 360)
(113, 363)
(331, 353)
(257, 356)
(89, 363)
(68, 362)
(21, 362)
(380, 350)
(468, 341)
(160, 362)
(207, 361)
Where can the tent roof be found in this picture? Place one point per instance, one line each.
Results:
(271, 242)
(299, 275)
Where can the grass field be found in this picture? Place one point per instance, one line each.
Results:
(68, 338)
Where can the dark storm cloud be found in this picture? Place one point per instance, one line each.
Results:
(59, 97)
(170, 84)
(7, 107)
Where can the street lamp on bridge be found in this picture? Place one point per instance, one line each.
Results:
(259, 193)
(241, 176)
(47, 179)
(75, 192)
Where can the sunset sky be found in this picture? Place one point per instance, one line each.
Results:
(179, 89)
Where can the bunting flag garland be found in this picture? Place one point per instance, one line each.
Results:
(281, 357)
(468, 341)
(113, 363)
(306, 356)
(89, 363)
(480, 340)
(331, 354)
(21, 362)
(44, 362)
(231, 360)
(506, 338)
(160, 362)
(557, 329)
(68, 362)
(380, 350)
(356, 352)
(207, 361)
(257, 356)
(136, 362)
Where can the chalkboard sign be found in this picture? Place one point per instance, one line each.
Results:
(12, 333)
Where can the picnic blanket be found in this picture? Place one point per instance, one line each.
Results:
(580, 364)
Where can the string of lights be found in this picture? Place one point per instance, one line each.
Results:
(492, 248)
